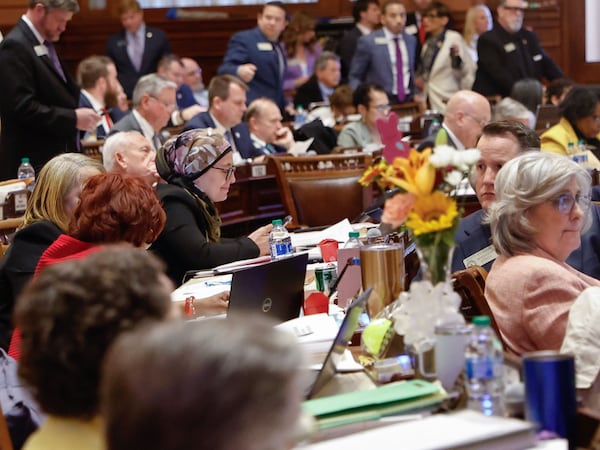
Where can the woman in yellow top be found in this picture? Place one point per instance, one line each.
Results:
(580, 120)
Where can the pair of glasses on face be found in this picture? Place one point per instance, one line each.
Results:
(383, 109)
(228, 172)
(566, 202)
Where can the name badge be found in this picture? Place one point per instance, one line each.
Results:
(510, 47)
(411, 29)
(264, 46)
(40, 50)
(482, 257)
(537, 58)
(381, 41)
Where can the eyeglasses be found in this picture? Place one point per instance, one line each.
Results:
(514, 8)
(384, 109)
(166, 105)
(565, 202)
(481, 122)
(228, 172)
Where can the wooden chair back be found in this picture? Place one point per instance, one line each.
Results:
(470, 285)
(407, 109)
(93, 149)
(322, 190)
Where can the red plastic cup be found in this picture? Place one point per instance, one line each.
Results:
(329, 248)
(316, 303)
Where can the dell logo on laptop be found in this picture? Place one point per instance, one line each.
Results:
(267, 303)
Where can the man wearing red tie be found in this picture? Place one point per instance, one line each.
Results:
(38, 106)
(97, 77)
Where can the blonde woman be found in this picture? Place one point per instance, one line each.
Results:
(477, 21)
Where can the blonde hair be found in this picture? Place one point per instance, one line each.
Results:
(56, 179)
(469, 29)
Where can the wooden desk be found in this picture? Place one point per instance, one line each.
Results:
(254, 200)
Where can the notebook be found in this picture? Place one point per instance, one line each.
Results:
(340, 343)
(275, 289)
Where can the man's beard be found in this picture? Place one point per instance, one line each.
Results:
(110, 99)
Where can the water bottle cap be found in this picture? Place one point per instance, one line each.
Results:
(435, 120)
(353, 234)
(24, 160)
(482, 321)
(276, 222)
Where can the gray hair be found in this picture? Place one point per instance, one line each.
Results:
(509, 108)
(323, 58)
(114, 143)
(66, 5)
(528, 180)
(151, 85)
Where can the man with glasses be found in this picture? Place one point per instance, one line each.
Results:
(192, 76)
(467, 112)
(257, 57)
(387, 56)
(509, 53)
(39, 105)
(153, 103)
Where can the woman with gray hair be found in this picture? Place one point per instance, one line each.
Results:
(198, 167)
(541, 209)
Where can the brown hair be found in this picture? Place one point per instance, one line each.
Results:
(300, 23)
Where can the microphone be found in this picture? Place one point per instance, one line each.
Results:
(372, 235)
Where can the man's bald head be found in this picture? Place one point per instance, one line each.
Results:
(466, 114)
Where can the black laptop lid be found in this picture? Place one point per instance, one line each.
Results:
(275, 289)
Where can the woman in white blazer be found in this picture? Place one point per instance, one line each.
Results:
(446, 66)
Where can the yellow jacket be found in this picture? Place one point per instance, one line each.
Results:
(557, 138)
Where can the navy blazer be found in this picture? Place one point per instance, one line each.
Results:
(241, 134)
(372, 63)
(506, 58)
(185, 97)
(308, 93)
(156, 46)
(346, 50)
(37, 107)
(251, 46)
(586, 258)
(471, 237)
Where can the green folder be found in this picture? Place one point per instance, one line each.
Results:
(387, 400)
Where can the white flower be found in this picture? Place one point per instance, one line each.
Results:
(454, 177)
(466, 158)
(443, 156)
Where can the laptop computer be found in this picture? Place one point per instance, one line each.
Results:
(340, 343)
(274, 289)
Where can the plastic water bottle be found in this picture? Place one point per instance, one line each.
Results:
(299, 117)
(434, 127)
(484, 369)
(26, 172)
(280, 242)
(353, 241)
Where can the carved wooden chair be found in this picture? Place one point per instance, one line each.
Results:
(93, 149)
(322, 190)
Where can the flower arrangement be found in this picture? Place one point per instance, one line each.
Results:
(425, 203)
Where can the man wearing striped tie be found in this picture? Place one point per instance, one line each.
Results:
(267, 132)
(97, 77)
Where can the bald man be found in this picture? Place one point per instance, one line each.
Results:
(130, 153)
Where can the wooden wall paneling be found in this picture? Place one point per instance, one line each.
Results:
(573, 25)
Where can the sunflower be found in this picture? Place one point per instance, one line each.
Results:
(435, 212)
(373, 173)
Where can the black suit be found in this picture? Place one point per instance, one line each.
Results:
(346, 50)
(37, 106)
(308, 93)
(156, 45)
(506, 58)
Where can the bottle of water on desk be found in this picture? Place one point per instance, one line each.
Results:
(353, 240)
(26, 172)
(299, 117)
(484, 369)
(434, 127)
(280, 241)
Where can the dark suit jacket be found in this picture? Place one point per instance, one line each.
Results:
(251, 46)
(506, 58)
(586, 258)
(115, 115)
(185, 97)
(308, 93)
(346, 50)
(372, 64)
(240, 132)
(411, 23)
(470, 237)
(127, 123)
(156, 46)
(37, 107)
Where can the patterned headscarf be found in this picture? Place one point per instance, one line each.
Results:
(193, 152)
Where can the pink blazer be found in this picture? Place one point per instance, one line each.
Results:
(530, 297)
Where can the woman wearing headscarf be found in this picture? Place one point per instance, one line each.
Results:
(198, 167)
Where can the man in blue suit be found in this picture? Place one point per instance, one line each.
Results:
(386, 57)
(227, 104)
(256, 56)
(500, 142)
(137, 48)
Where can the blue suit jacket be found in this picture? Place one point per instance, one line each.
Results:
(371, 62)
(115, 115)
(156, 46)
(470, 237)
(251, 46)
(240, 132)
(185, 97)
(586, 258)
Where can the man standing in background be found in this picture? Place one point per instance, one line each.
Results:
(38, 108)
(257, 57)
(137, 48)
